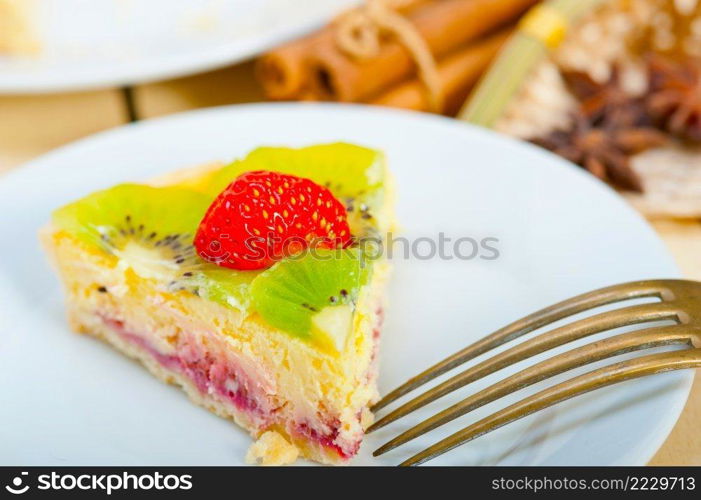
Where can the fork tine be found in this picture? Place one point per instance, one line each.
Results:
(579, 329)
(590, 353)
(556, 312)
(603, 377)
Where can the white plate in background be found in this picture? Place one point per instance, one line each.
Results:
(70, 400)
(103, 43)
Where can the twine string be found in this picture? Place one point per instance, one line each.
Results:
(359, 34)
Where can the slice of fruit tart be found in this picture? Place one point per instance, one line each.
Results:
(249, 285)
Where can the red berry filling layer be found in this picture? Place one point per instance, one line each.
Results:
(208, 375)
(226, 379)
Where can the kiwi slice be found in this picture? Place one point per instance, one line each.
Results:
(150, 229)
(313, 296)
(154, 217)
(347, 170)
(222, 285)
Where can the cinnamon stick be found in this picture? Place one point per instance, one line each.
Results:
(458, 72)
(445, 25)
(284, 72)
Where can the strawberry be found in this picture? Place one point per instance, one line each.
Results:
(264, 216)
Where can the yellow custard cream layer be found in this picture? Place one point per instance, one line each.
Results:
(232, 363)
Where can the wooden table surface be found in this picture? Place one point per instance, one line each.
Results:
(33, 125)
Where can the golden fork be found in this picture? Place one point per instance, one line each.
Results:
(680, 301)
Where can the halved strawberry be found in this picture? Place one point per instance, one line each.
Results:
(264, 216)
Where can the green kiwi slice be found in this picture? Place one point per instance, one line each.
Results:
(347, 170)
(224, 286)
(151, 229)
(112, 218)
(312, 296)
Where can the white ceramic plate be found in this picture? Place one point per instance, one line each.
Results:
(68, 399)
(101, 43)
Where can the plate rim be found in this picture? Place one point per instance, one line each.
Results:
(155, 69)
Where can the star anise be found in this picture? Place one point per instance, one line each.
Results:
(609, 126)
(674, 98)
(604, 151)
(608, 103)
